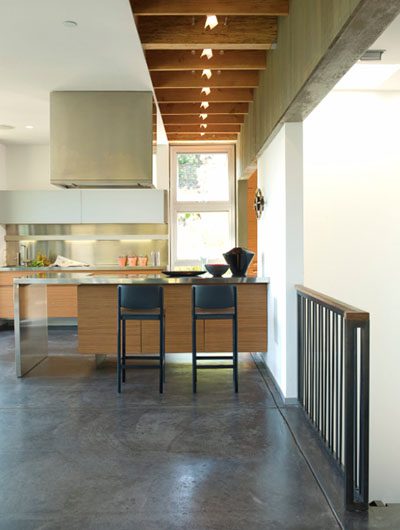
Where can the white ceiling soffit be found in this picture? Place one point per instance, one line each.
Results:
(38, 54)
(377, 75)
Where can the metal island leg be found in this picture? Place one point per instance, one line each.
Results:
(30, 326)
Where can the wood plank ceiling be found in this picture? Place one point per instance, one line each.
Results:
(194, 104)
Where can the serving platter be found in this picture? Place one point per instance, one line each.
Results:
(182, 274)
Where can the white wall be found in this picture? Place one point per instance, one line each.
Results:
(28, 167)
(3, 185)
(3, 171)
(352, 244)
(161, 174)
(280, 245)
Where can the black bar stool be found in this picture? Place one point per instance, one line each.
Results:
(214, 302)
(139, 302)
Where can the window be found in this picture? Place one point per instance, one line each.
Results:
(202, 199)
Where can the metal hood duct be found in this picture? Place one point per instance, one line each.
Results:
(101, 139)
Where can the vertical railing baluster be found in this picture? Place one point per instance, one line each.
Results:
(340, 390)
(321, 365)
(308, 358)
(336, 387)
(329, 380)
(333, 384)
(325, 373)
(317, 382)
(311, 360)
(364, 415)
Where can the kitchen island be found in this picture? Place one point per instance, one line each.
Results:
(62, 300)
(97, 311)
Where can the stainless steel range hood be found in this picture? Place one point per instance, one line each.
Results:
(101, 139)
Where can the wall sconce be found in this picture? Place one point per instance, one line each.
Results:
(259, 203)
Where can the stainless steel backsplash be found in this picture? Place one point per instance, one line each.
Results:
(91, 252)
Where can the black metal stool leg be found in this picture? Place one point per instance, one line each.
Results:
(163, 349)
(123, 350)
(235, 355)
(119, 356)
(161, 358)
(194, 356)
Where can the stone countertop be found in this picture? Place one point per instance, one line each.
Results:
(155, 279)
(80, 268)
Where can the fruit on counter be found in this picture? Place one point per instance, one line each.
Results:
(41, 261)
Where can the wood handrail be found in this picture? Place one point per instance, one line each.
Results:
(347, 311)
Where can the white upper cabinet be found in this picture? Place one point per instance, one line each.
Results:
(40, 207)
(83, 206)
(124, 206)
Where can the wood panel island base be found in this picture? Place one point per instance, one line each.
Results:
(97, 317)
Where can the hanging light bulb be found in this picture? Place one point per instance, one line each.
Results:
(203, 116)
(204, 104)
(207, 52)
(206, 90)
(207, 73)
(211, 22)
(203, 126)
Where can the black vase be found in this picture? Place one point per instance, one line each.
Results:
(239, 260)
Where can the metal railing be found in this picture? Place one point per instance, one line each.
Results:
(333, 384)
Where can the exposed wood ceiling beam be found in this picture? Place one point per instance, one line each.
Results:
(165, 60)
(205, 7)
(194, 108)
(224, 95)
(181, 119)
(189, 129)
(173, 137)
(224, 79)
(240, 33)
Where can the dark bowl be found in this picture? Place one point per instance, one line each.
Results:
(216, 269)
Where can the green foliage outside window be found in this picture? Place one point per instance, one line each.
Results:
(188, 164)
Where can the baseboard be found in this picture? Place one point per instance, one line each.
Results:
(271, 377)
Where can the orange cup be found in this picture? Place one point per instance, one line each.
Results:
(142, 261)
(132, 261)
(122, 261)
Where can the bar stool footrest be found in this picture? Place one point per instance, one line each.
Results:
(201, 366)
(143, 357)
(214, 357)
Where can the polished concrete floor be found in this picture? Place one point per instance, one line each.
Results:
(75, 455)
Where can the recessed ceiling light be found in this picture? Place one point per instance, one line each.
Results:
(203, 116)
(202, 134)
(4, 127)
(206, 90)
(207, 73)
(204, 104)
(203, 126)
(211, 22)
(207, 52)
(29, 127)
(70, 23)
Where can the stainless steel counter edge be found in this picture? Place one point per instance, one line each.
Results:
(83, 279)
(80, 268)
